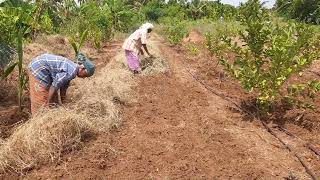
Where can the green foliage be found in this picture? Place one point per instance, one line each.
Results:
(6, 55)
(22, 22)
(302, 95)
(153, 10)
(8, 71)
(92, 19)
(303, 10)
(220, 30)
(123, 16)
(76, 45)
(193, 49)
(216, 11)
(196, 9)
(174, 29)
(174, 10)
(101, 20)
(267, 54)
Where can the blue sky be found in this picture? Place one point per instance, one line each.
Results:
(269, 3)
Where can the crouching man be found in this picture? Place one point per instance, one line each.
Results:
(50, 73)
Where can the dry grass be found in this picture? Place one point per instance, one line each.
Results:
(154, 65)
(151, 66)
(53, 132)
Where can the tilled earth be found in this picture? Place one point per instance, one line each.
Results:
(177, 129)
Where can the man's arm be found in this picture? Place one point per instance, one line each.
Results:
(52, 91)
(63, 94)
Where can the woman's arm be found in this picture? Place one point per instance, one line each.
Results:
(146, 49)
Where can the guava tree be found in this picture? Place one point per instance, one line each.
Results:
(268, 55)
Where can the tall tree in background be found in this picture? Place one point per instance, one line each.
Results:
(303, 10)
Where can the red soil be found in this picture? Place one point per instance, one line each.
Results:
(194, 37)
(177, 129)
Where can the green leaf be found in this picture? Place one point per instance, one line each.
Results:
(74, 45)
(84, 36)
(8, 71)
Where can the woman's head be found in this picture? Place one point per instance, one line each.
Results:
(148, 27)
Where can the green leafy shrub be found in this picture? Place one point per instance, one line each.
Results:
(174, 29)
(174, 10)
(267, 55)
(92, 18)
(153, 10)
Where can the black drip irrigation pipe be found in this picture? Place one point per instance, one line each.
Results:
(221, 95)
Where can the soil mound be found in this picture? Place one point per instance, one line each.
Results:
(194, 37)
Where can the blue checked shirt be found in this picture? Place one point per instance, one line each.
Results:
(53, 70)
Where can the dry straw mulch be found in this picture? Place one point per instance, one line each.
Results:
(92, 110)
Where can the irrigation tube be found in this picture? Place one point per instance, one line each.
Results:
(221, 95)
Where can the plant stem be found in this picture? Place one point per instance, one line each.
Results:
(21, 75)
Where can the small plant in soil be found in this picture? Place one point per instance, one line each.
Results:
(267, 55)
(193, 49)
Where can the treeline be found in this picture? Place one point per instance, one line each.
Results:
(154, 10)
(103, 18)
(307, 11)
(100, 18)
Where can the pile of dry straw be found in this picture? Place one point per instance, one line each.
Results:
(51, 133)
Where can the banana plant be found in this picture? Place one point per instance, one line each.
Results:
(22, 20)
(121, 14)
(196, 9)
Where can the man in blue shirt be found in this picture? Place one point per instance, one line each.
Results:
(49, 73)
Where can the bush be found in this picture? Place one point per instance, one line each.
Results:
(174, 29)
(91, 18)
(267, 54)
(153, 10)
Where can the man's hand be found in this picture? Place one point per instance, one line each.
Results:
(53, 105)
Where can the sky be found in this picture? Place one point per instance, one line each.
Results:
(269, 3)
